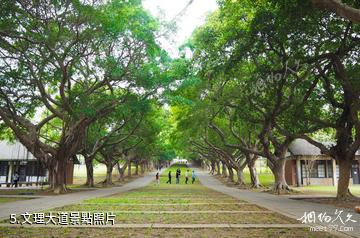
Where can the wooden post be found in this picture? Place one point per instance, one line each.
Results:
(11, 168)
(334, 178)
(298, 172)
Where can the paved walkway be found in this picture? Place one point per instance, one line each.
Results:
(40, 204)
(284, 205)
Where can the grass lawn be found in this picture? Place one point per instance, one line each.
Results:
(133, 207)
(22, 192)
(267, 180)
(265, 176)
(6, 199)
(99, 175)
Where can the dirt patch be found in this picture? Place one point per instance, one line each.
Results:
(204, 218)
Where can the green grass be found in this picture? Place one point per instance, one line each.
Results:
(266, 179)
(6, 199)
(183, 168)
(99, 174)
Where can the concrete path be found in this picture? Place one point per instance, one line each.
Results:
(40, 204)
(291, 208)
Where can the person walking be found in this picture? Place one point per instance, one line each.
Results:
(169, 175)
(193, 176)
(15, 179)
(178, 172)
(157, 178)
(186, 176)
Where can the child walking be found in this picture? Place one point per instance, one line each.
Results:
(157, 178)
(186, 176)
(193, 176)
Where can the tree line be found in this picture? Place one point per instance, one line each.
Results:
(264, 73)
(83, 78)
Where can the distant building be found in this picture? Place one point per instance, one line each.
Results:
(179, 161)
(306, 165)
(14, 157)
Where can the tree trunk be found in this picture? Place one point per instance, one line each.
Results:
(212, 170)
(255, 183)
(240, 176)
(51, 179)
(218, 168)
(89, 171)
(279, 173)
(60, 176)
(142, 168)
(129, 169)
(224, 171)
(136, 168)
(109, 169)
(70, 143)
(231, 175)
(343, 191)
(121, 171)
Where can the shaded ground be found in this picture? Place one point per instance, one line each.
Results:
(349, 203)
(326, 190)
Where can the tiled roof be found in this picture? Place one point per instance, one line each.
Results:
(14, 151)
(303, 147)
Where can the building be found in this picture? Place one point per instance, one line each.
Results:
(306, 165)
(179, 161)
(15, 157)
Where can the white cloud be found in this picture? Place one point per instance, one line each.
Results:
(194, 16)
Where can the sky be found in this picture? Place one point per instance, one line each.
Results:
(194, 16)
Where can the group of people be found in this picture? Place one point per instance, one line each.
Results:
(178, 173)
(187, 175)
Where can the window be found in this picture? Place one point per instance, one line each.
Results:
(34, 168)
(329, 168)
(309, 167)
(303, 171)
(3, 168)
(321, 170)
